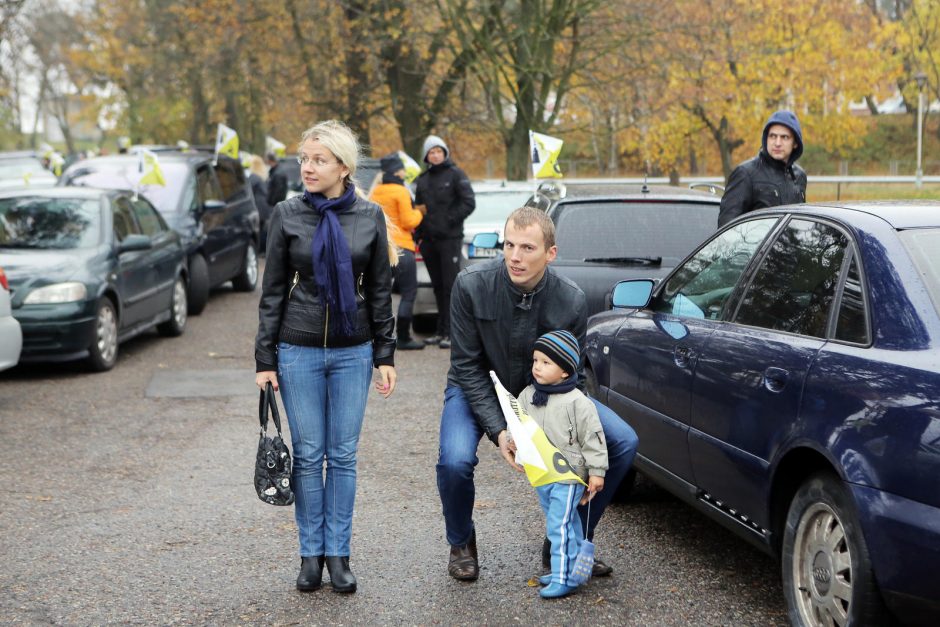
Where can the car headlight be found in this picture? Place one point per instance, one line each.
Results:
(58, 293)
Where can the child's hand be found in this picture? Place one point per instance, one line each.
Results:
(595, 485)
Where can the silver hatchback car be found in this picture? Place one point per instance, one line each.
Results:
(11, 336)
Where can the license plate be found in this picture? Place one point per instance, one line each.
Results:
(476, 253)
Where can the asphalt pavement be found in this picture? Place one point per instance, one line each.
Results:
(128, 499)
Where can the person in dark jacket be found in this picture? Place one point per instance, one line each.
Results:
(771, 178)
(277, 180)
(499, 309)
(259, 189)
(444, 195)
(325, 319)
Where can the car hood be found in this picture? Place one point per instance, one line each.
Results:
(28, 267)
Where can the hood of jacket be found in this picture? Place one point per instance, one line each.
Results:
(788, 119)
(433, 141)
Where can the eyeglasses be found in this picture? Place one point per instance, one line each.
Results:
(316, 161)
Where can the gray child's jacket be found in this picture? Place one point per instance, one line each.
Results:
(570, 422)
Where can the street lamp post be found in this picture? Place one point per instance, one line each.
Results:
(921, 80)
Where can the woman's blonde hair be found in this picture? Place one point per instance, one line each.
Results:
(258, 167)
(338, 139)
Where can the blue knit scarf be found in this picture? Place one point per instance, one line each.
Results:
(332, 261)
(540, 397)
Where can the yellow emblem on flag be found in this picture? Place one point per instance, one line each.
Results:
(412, 169)
(272, 145)
(226, 142)
(542, 461)
(545, 150)
(149, 166)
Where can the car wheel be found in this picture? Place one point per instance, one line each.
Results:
(102, 354)
(177, 322)
(590, 383)
(198, 294)
(247, 279)
(827, 574)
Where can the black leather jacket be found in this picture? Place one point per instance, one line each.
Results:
(494, 326)
(290, 308)
(445, 190)
(759, 183)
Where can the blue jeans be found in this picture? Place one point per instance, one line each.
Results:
(459, 437)
(562, 527)
(324, 391)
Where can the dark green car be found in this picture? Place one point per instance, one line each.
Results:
(88, 269)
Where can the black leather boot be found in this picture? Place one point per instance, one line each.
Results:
(311, 574)
(340, 576)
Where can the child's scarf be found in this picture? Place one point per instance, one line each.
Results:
(332, 261)
(540, 397)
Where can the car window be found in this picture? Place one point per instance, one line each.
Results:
(124, 221)
(124, 174)
(231, 178)
(495, 207)
(206, 186)
(796, 282)
(59, 223)
(924, 248)
(701, 286)
(148, 218)
(617, 229)
(852, 323)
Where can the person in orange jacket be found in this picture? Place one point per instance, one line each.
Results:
(395, 200)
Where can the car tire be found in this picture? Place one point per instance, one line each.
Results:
(103, 351)
(247, 279)
(827, 573)
(197, 295)
(590, 383)
(175, 326)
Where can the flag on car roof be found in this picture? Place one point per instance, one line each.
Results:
(226, 142)
(545, 151)
(412, 169)
(272, 145)
(149, 167)
(542, 461)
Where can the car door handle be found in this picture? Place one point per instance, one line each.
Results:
(683, 356)
(775, 379)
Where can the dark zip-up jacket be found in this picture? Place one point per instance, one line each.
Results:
(759, 183)
(494, 326)
(290, 309)
(446, 192)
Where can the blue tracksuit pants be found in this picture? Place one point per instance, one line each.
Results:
(562, 526)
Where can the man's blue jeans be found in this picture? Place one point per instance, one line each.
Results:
(324, 391)
(460, 435)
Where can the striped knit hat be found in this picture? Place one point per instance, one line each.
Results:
(562, 348)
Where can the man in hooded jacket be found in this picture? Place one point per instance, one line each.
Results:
(771, 178)
(444, 195)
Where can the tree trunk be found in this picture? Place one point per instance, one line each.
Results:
(357, 76)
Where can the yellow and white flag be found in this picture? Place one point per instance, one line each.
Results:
(542, 461)
(149, 167)
(412, 169)
(226, 142)
(272, 145)
(545, 151)
(56, 163)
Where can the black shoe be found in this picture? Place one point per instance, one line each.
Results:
(311, 574)
(445, 342)
(463, 564)
(409, 344)
(434, 339)
(340, 576)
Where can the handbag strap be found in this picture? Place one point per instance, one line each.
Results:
(268, 402)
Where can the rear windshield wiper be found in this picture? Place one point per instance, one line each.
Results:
(633, 261)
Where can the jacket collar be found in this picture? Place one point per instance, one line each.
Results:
(523, 300)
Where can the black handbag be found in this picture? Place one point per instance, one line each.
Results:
(273, 463)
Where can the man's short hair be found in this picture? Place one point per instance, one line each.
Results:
(270, 157)
(527, 216)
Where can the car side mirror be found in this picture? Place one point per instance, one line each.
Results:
(135, 242)
(486, 240)
(633, 294)
(213, 206)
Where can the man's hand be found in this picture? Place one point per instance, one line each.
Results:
(595, 485)
(423, 209)
(508, 449)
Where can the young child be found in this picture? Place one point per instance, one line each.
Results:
(569, 420)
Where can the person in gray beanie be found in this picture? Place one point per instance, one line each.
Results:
(771, 178)
(443, 194)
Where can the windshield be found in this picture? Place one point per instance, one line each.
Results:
(661, 231)
(124, 174)
(924, 248)
(59, 223)
(495, 207)
(18, 168)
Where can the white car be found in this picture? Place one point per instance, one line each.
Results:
(11, 337)
(494, 203)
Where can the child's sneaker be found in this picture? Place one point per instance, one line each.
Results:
(556, 591)
(544, 580)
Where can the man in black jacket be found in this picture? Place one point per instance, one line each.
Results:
(443, 194)
(277, 180)
(772, 177)
(499, 309)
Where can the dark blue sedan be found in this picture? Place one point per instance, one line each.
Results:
(87, 270)
(785, 380)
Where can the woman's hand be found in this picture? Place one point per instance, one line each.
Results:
(386, 385)
(262, 378)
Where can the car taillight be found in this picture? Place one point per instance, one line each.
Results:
(3, 280)
(418, 256)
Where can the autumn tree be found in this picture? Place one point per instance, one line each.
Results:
(918, 40)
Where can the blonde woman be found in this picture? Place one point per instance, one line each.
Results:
(325, 320)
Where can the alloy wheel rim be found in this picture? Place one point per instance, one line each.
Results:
(822, 568)
(179, 304)
(107, 334)
(251, 264)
